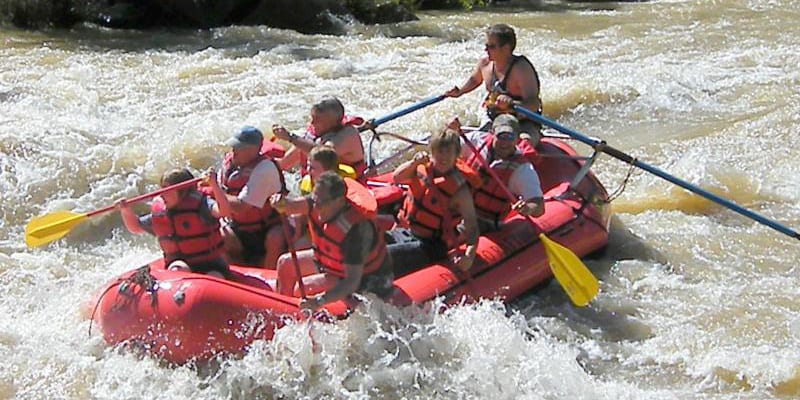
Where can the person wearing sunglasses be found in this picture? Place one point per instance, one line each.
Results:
(348, 251)
(499, 148)
(508, 79)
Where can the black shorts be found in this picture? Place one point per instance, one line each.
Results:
(253, 249)
(380, 282)
(218, 265)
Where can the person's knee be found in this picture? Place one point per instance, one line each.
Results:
(179, 265)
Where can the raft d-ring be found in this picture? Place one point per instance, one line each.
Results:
(179, 297)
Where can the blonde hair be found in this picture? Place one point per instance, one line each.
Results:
(447, 138)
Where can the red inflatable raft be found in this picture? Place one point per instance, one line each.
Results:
(181, 316)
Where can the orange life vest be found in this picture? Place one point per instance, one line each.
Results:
(426, 208)
(490, 200)
(183, 233)
(233, 180)
(359, 166)
(327, 237)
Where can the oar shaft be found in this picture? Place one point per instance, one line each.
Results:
(407, 110)
(477, 155)
(293, 252)
(146, 196)
(599, 145)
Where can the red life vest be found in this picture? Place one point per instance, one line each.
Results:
(327, 238)
(490, 200)
(183, 233)
(233, 179)
(359, 166)
(426, 208)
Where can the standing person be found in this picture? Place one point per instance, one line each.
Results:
(499, 150)
(328, 126)
(438, 198)
(348, 251)
(248, 178)
(508, 78)
(186, 223)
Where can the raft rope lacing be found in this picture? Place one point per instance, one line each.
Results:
(618, 191)
(141, 277)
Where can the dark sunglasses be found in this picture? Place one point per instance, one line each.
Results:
(506, 136)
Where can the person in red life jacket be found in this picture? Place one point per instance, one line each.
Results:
(328, 126)
(186, 223)
(437, 200)
(321, 159)
(254, 234)
(508, 78)
(348, 251)
(498, 148)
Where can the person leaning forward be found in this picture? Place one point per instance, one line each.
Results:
(348, 251)
(498, 147)
(508, 78)
(186, 223)
(437, 200)
(248, 178)
(329, 126)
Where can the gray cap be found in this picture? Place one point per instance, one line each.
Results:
(505, 123)
(247, 136)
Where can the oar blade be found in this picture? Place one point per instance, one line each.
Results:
(50, 227)
(578, 282)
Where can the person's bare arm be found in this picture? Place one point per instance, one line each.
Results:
(290, 158)
(284, 205)
(462, 200)
(408, 170)
(222, 208)
(473, 81)
(129, 218)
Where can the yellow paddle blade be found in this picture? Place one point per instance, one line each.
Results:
(50, 227)
(576, 279)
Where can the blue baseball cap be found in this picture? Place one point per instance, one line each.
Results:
(247, 136)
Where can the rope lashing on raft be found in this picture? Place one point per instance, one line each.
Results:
(141, 277)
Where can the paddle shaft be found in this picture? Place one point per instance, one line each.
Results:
(601, 146)
(146, 196)
(477, 155)
(293, 252)
(407, 110)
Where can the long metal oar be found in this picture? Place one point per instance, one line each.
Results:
(397, 114)
(578, 282)
(53, 226)
(602, 146)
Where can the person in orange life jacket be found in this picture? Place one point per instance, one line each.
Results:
(349, 253)
(321, 159)
(254, 234)
(498, 148)
(438, 198)
(508, 78)
(186, 223)
(327, 127)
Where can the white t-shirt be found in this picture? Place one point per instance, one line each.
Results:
(264, 182)
(524, 182)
